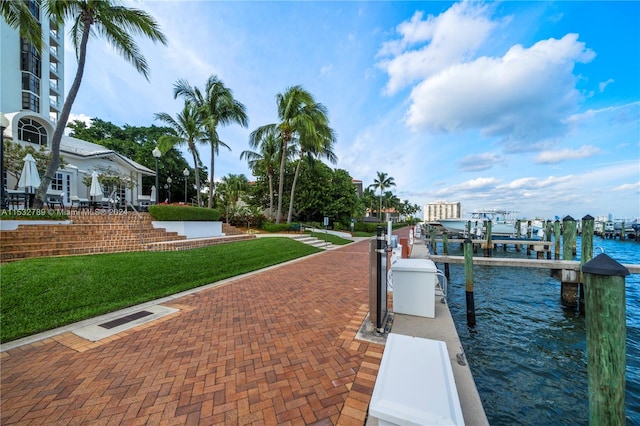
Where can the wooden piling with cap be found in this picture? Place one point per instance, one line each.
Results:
(606, 339)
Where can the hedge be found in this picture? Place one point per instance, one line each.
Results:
(166, 212)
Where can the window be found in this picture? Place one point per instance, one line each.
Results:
(30, 82)
(30, 102)
(57, 182)
(29, 58)
(31, 131)
(34, 8)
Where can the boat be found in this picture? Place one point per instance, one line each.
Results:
(502, 224)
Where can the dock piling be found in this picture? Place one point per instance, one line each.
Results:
(556, 233)
(468, 277)
(445, 250)
(569, 279)
(488, 246)
(587, 252)
(606, 339)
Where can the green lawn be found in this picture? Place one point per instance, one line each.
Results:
(333, 239)
(45, 293)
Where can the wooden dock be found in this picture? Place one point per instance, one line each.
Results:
(570, 265)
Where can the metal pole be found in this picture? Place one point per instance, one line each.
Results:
(185, 189)
(157, 183)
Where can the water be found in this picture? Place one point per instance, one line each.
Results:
(527, 352)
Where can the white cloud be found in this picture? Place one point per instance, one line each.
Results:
(549, 157)
(446, 44)
(522, 97)
(326, 70)
(604, 84)
(479, 162)
(628, 187)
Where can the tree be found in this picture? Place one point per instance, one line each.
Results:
(17, 15)
(14, 154)
(299, 115)
(187, 130)
(266, 160)
(218, 107)
(382, 182)
(117, 24)
(369, 198)
(231, 189)
(137, 143)
(314, 142)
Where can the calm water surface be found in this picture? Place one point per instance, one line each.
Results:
(527, 352)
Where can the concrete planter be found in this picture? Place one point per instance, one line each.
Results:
(12, 225)
(191, 229)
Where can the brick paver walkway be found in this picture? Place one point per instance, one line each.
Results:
(277, 347)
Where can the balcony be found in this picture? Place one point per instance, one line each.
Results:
(54, 71)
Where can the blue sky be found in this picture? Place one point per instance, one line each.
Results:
(529, 106)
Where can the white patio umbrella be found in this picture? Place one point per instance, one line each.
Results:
(153, 194)
(29, 178)
(96, 189)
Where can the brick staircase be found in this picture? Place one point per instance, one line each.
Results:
(90, 234)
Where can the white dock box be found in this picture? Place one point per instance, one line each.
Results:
(415, 384)
(414, 287)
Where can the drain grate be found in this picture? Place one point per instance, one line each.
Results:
(134, 316)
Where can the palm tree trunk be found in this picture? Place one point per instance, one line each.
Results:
(270, 175)
(49, 174)
(293, 189)
(211, 182)
(380, 211)
(197, 172)
(281, 183)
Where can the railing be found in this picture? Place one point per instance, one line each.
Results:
(127, 203)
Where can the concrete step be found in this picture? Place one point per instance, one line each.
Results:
(313, 241)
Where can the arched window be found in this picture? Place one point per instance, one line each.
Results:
(31, 131)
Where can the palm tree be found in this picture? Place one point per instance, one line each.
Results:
(17, 15)
(369, 198)
(234, 186)
(117, 24)
(187, 130)
(318, 143)
(218, 107)
(266, 160)
(299, 116)
(382, 182)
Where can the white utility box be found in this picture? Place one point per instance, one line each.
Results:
(415, 384)
(414, 287)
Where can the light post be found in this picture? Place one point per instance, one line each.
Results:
(156, 154)
(168, 186)
(185, 172)
(4, 123)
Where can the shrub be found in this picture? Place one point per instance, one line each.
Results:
(166, 212)
(275, 227)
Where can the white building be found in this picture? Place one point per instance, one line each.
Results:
(31, 98)
(433, 212)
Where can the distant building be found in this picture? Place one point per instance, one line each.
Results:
(32, 89)
(433, 212)
(358, 184)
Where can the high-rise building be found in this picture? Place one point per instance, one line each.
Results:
(31, 100)
(31, 80)
(441, 210)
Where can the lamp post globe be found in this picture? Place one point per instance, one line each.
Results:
(185, 172)
(156, 154)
